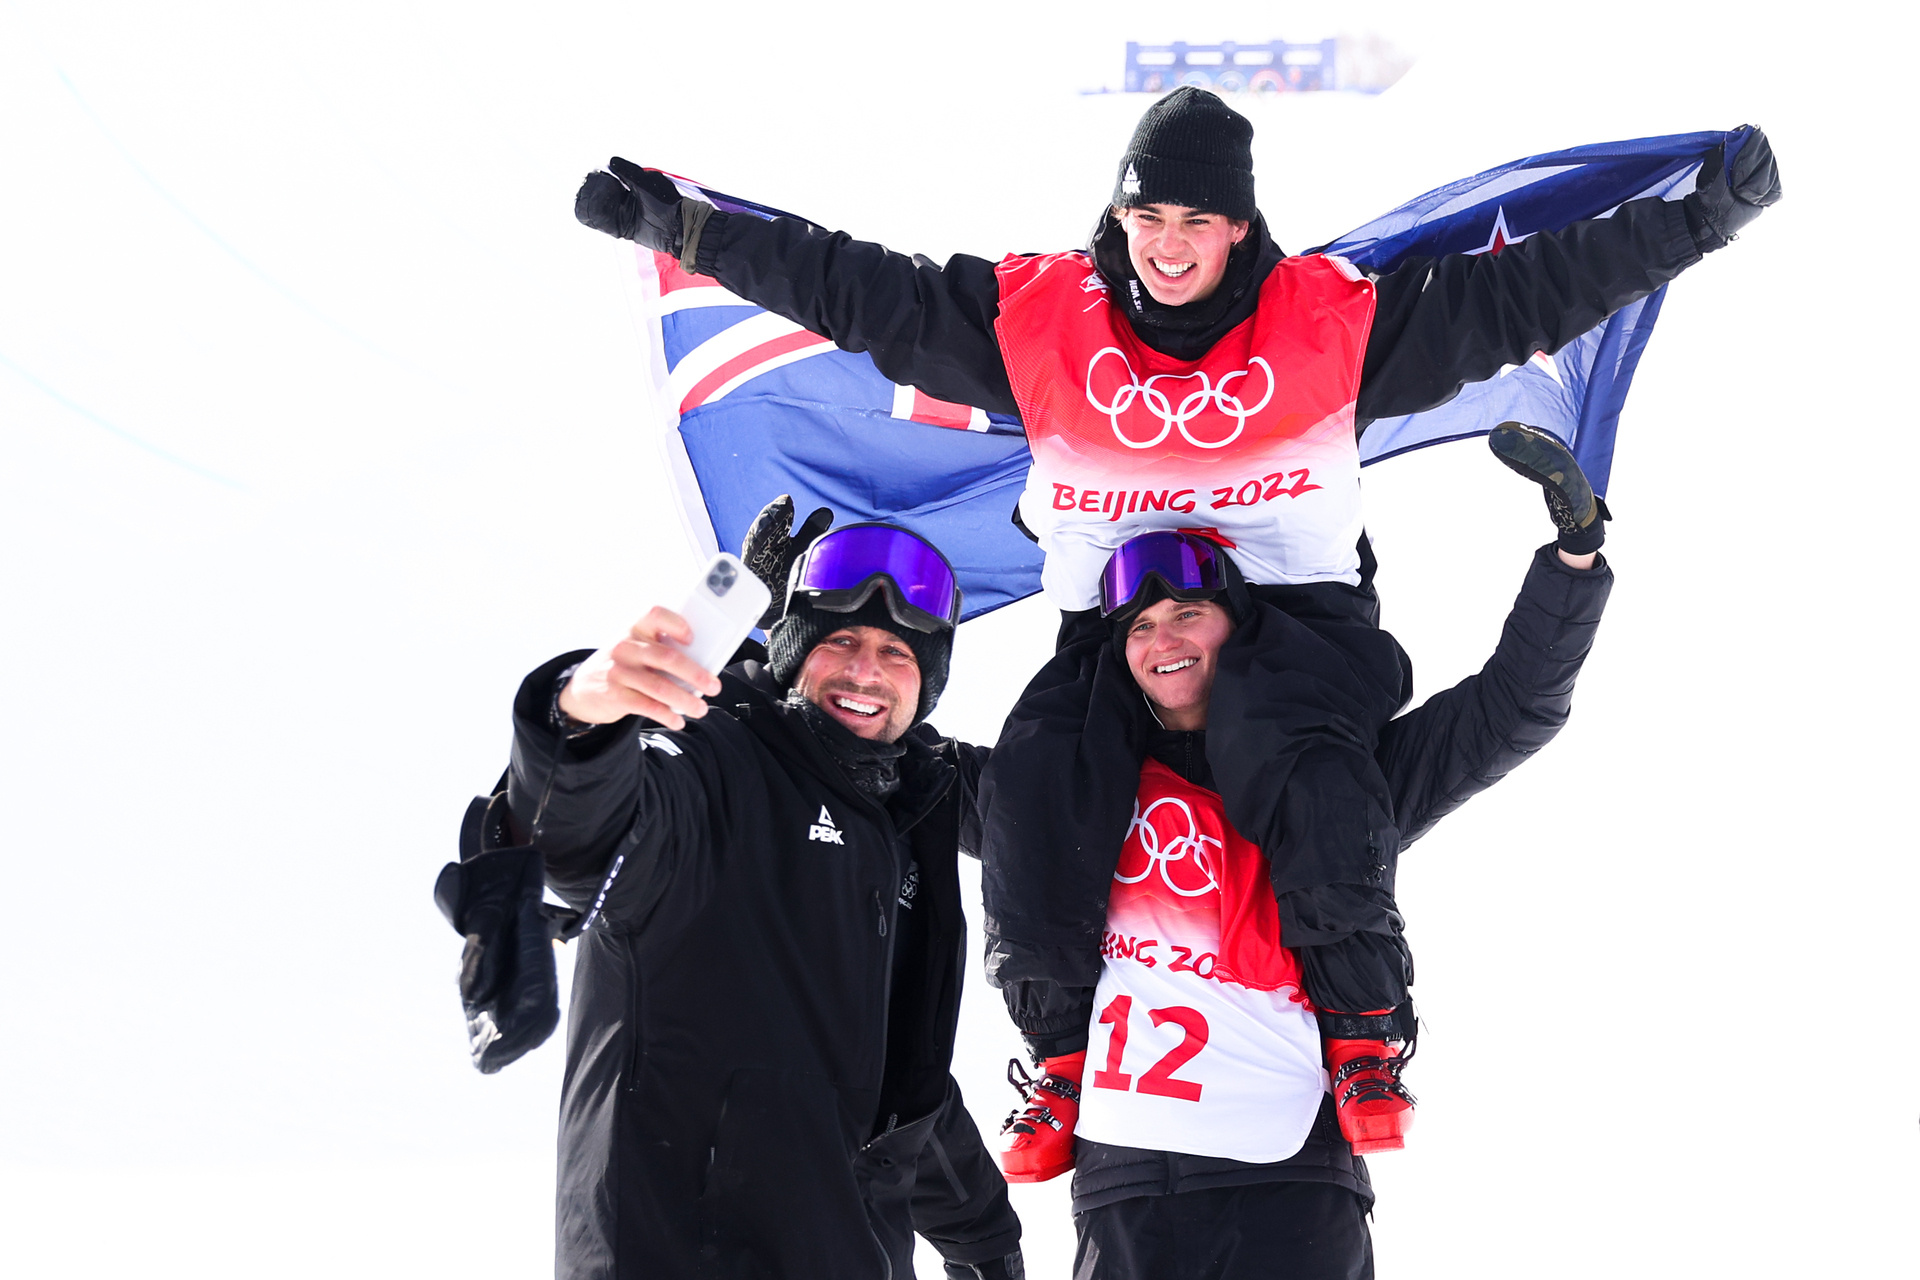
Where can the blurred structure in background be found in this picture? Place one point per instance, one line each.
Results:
(1364, 63)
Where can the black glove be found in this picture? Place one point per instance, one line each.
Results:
(1577, 512)
(769, 550)
(508, 986)
(1723, 200)
(632, 203)
(1011, 1267)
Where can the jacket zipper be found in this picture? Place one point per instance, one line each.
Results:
(635, 1044)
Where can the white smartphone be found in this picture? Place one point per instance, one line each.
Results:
(722, 609)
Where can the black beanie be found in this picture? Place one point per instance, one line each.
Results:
(1192, 150)
(802, 627)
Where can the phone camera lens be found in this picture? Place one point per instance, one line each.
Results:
(721, 580)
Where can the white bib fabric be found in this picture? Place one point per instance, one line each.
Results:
(1179, 1058)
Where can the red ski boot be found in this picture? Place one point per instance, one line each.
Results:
(1036, 1142)
(1375, 1109)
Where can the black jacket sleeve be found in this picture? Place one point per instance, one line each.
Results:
(614, 811)
(924, 325)
(1441, 323)
(1461, 741)
(971, 762)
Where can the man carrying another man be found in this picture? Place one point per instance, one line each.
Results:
(765, 1002)
(1183, 354)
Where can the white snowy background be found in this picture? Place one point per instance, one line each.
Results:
(321, 423)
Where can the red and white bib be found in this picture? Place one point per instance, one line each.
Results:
(1201, 1040)
(1252, 442)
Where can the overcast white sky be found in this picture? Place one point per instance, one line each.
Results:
(321, 422)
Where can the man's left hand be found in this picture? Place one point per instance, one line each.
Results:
(1725, 200)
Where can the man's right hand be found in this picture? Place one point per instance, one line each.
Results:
(1578, 513)
(632, 203)
(631, 677)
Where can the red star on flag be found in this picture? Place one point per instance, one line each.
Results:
(1501, 237)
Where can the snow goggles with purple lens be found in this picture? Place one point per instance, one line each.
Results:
(1187, 565)
(842, 569)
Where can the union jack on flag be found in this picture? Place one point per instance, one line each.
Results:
(752, 405)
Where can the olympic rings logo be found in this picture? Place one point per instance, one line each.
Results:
(1189, 850)
(1173, 416)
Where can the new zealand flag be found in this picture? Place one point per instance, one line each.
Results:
(752, 405)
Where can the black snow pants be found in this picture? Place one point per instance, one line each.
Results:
(1268, 1231)
(934, 1175)
(1305, 683)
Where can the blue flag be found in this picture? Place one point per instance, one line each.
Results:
(752, 405)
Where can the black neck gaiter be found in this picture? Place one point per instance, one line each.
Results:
(1187, 332)
(872, 767)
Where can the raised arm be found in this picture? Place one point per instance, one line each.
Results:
(1461, 741)
(924, 325)
(1444, 322)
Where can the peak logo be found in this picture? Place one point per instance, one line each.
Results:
(826, 831)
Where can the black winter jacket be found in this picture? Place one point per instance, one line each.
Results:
(1439, 323)
(755, 1084)
(1453, 746)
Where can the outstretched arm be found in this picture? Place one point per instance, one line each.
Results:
(1444, 322)
(924, 325)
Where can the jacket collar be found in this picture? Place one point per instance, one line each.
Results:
(1188, 332)
(749, 691)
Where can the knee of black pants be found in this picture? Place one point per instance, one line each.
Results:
(1360, 974)
(1324, 914)
(1351, 944)
(1052, 1018)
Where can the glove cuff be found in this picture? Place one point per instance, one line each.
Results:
(1708, 227)
(704, 257)
(693, 221)
(1580, 542)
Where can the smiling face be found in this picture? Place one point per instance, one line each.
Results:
(1180, 254)
(864, 677)
(1173, 647)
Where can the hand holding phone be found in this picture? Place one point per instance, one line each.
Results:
(652, 672)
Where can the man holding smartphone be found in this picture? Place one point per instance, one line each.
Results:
(768, 983)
